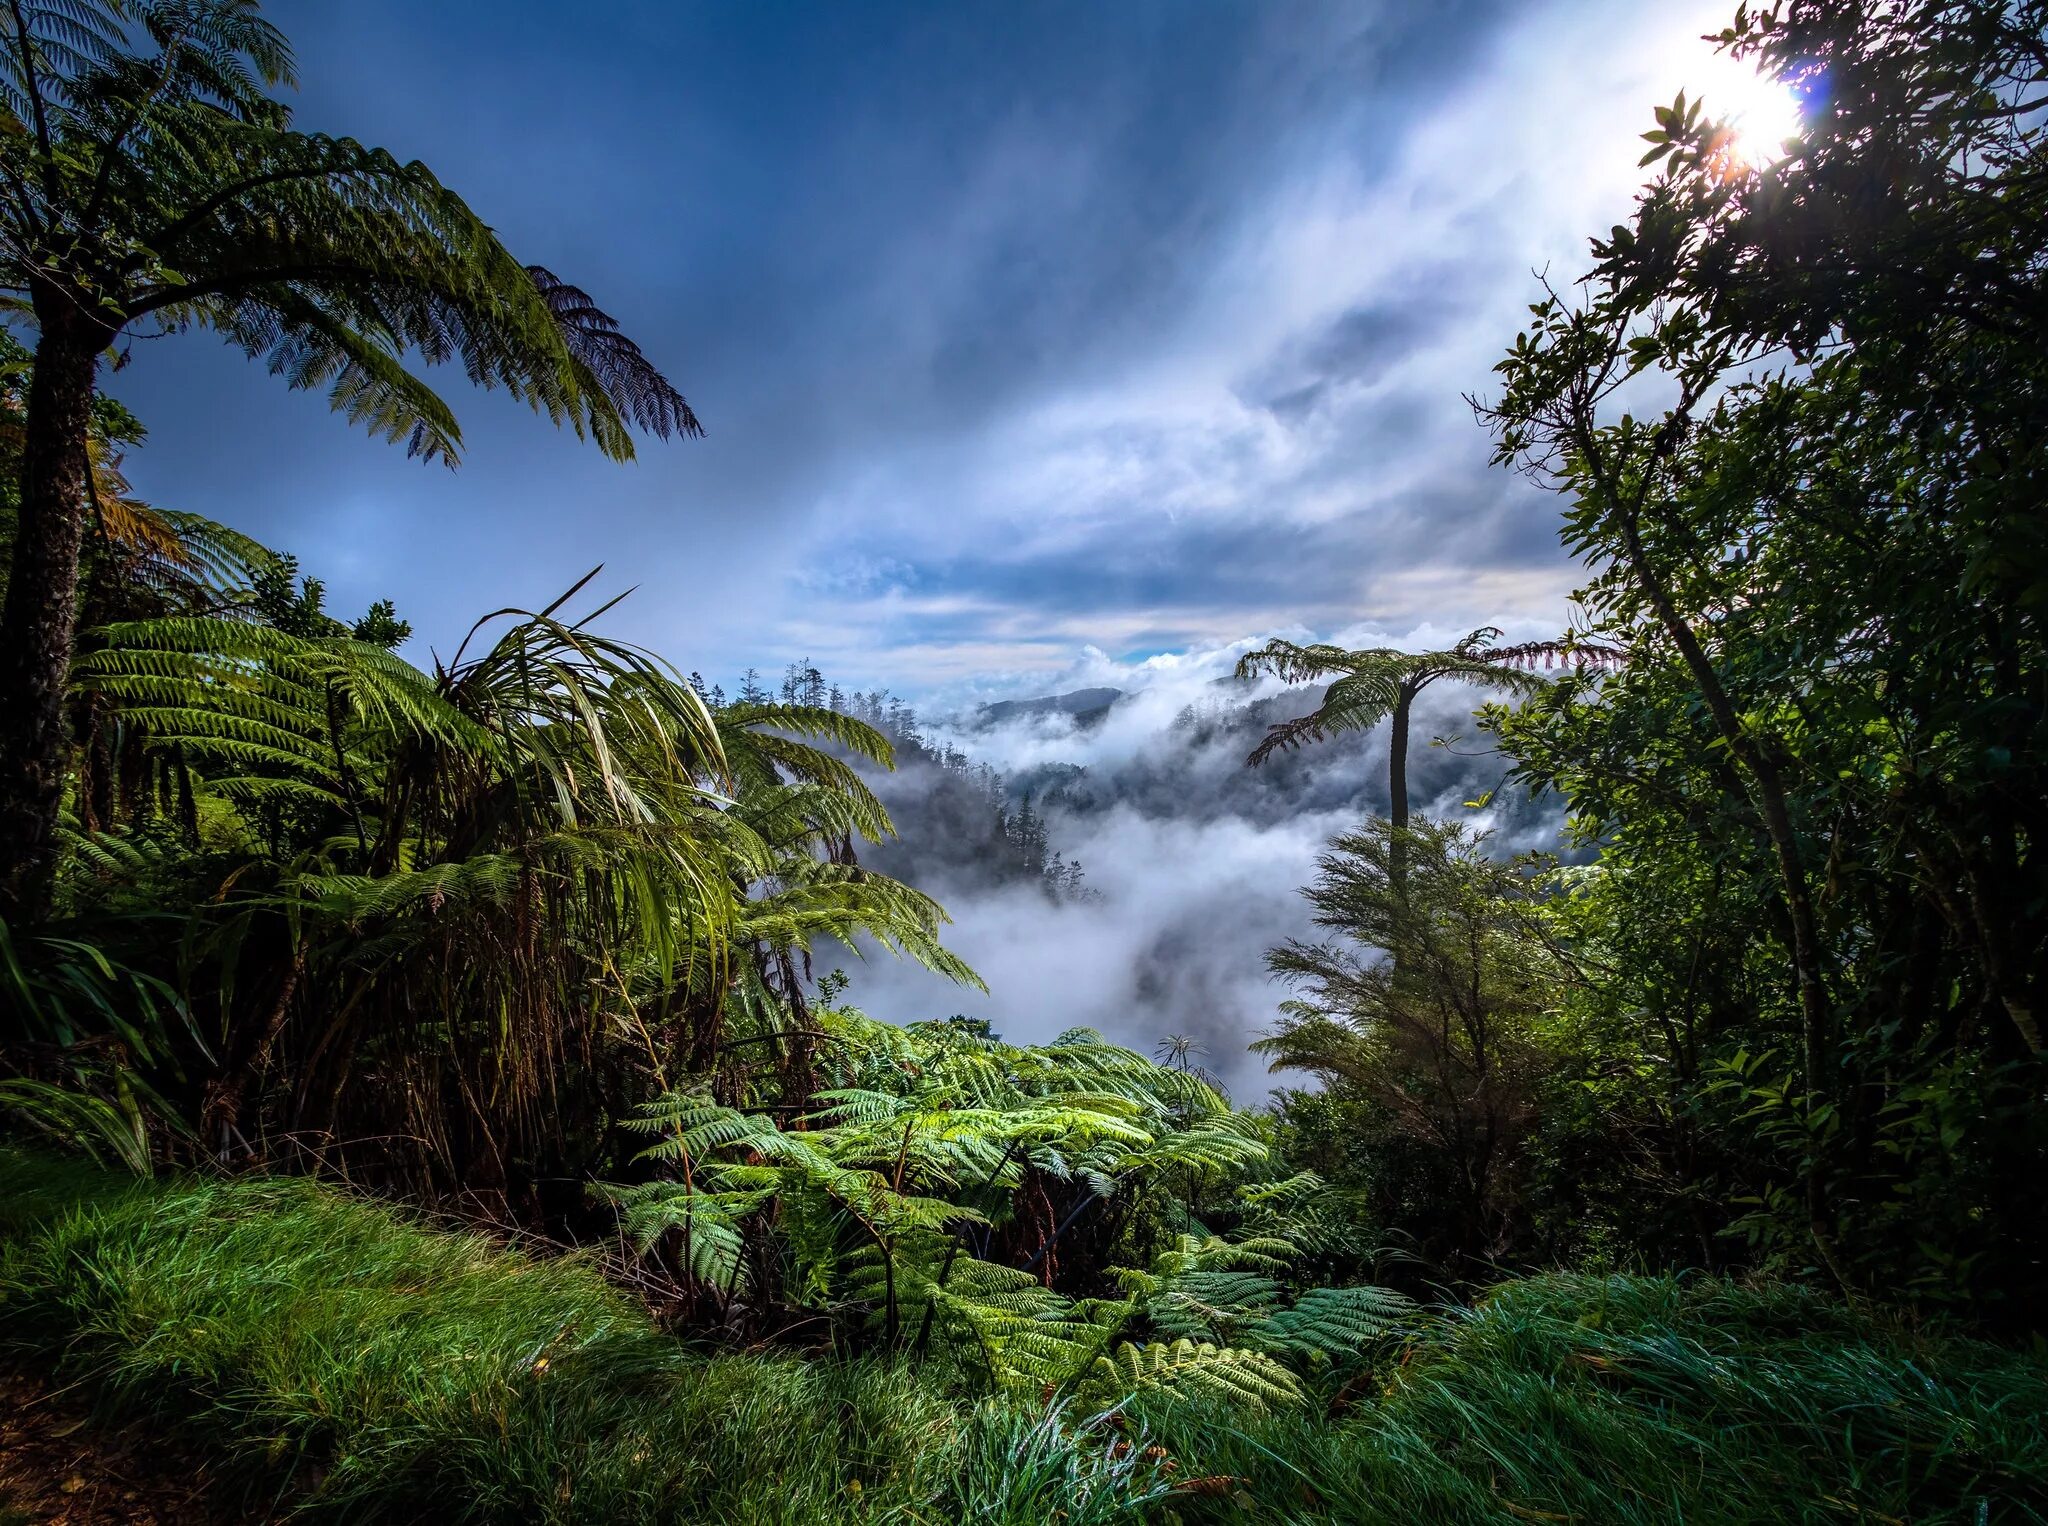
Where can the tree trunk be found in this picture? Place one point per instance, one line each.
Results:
(221, 1108)
(1770, 798)
(1397, 788)
(1769, 795)
(39, 624)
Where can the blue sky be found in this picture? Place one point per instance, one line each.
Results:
(1031, 338)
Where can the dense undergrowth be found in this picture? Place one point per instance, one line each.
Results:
(373, 1368)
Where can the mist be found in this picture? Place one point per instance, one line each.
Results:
(1194, 862)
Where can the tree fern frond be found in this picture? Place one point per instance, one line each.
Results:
(1247, 1380)
(1331, 1323)
(609, 364)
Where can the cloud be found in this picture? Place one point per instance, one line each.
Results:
(1142, 327)
(1174, 946)
(1286, 436)
(1197, 860)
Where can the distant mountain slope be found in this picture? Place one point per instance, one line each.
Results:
(1088, 707)
(1193, 861)
(963, 825)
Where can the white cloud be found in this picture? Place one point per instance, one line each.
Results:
(1197, 862)
(1446, 213)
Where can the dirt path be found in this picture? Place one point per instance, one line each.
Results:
(58, 1465)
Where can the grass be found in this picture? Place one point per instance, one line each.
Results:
(384, 1369)
(371, 1368)
(1655, 1400)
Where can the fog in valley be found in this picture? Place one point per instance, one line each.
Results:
(1191, 862)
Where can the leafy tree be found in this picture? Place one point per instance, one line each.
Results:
(1026, 831)
(803, 684)
(1797, 408)
(149, 182)
(279, 597)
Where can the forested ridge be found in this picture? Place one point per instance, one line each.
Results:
(952, 816)
(432, 1084)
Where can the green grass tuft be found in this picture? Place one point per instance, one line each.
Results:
(1652, 1400)
(399, 1371)
(329, 1349)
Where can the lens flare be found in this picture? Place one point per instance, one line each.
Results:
(1760, 112)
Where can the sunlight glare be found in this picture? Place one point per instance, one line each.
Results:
(1763, 112)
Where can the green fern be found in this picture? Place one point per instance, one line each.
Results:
(1327, 1326)
(878, 1188)
(1185, 1370)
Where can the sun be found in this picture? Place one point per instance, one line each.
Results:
(1763, 112)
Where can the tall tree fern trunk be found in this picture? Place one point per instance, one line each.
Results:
(39, 623)
(1397, 787)
(1397, 815)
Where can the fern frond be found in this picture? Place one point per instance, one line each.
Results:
(1247, 1380)
(1331, 1324)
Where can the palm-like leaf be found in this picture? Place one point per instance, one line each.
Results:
(150, 182)
(1184, 1369)
(1371, 683)
(484, 838)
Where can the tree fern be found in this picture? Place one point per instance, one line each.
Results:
(152, 183)
(1330, 1325)
(1381, 684)
(884, 1185)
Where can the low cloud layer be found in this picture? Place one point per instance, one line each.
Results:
(1175, 945)
(1196, 860)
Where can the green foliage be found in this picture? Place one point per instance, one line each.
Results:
(1245, 1380)
(1424, 1015)
(150, 183)
(556, 780)
(1022, 1469)
(280, 598)
(1330, 1325)
(1644, 1400)
(1817, 920)
(100, 1126)
(91, 1027)
(152, 177)
(1380, 683)
(370, 1368)
(809, 805)
(549, 842)
(387, 1370)
(874, 1201)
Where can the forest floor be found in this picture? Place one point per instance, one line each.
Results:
(62, 1466)
(242, 1346)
